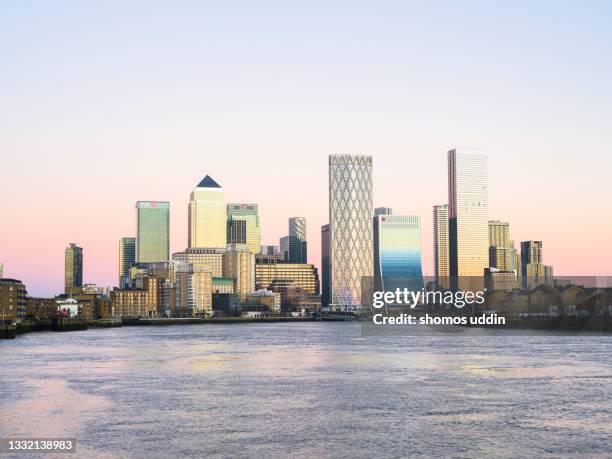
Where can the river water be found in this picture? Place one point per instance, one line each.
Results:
(308, 390)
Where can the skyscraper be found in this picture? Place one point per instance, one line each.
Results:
(383, 211)
(152, 231)
(239, 264)
(440, 241)
(73, 268)
(207, 215)
(283, 244)
(468, 218)
(243, 226)
(502, 254)
(534, 271)
(350, 227)
(325, 280)
(127, 257)
(397, 252)
(298, 247)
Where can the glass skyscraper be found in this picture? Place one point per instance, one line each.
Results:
(243, 226)
(350, 227)
(397, 252)
(297, 240)
(325, 280)
(207, 215)
(73, 268)
(468, 218)
(440, 245)
(127, 257)
(152, 231)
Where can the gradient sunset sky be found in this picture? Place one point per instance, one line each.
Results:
(106, 103)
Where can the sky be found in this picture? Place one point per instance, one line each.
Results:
(107, 103)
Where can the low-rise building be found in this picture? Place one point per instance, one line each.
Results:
(13, 301)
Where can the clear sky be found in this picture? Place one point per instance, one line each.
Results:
(106, 103)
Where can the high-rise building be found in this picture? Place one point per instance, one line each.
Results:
(269, 271)
(152, 231)
(1, 270)
(283, 245)
(207, 215)
(298, 247)
(13, 301)
(73, 268)
(202, 258)
(397, 252)
(440, 245)
(127, 257)
(239, 264)
(270, 250)
(350, 228)
(468, 218)
(502, 254)
(193, 290)
(533, 270)
(325, 280)
(243, 226)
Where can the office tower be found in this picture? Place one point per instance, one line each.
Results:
(243, 226)
(202, 258)
(325, 280)
(152, 231)
(239, 264)
(272, 250)
(440, 243)
(193, 290)
(502, 254)
(533, 270)
(297, 240)
(397, 252)
(13, 301)
(283, 244)
(383, 211)
(207, 215)
(467, 218)
(350, 228)
(73, 268)
(127, 257)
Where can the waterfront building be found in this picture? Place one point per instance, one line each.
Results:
(468, 218)
(534, 272)
(239, 264)
(243, 226)
(269, 271)
(207, 215)
(397, 252)
(325, 280)
(502, 254)
(152, 231)
(193, 290)
(143, 301)
(496, 279)
(127, 257)
(13, 301)
(298, 247)
(223, 285)
(440, 245)
(41, 308)
(271, 300)
(73, 268)
(350, 228)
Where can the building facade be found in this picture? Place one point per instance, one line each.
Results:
(440, 245)
(194, 290)
(243, 226)
(534, 271)
(13, 301)
(468, 218)
(152, 231)
(145, 301)
(73, 268)
(207, 215)
(397, 252)
(239, 264)
(203, 258)
(350, 228)
(298, 246)
(325, 280)
(127, 257)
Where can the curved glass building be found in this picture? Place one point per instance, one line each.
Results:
(397, 252)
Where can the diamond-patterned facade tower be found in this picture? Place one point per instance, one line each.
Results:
(350, 226)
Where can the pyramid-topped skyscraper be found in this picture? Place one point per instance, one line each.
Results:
(207, 215)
